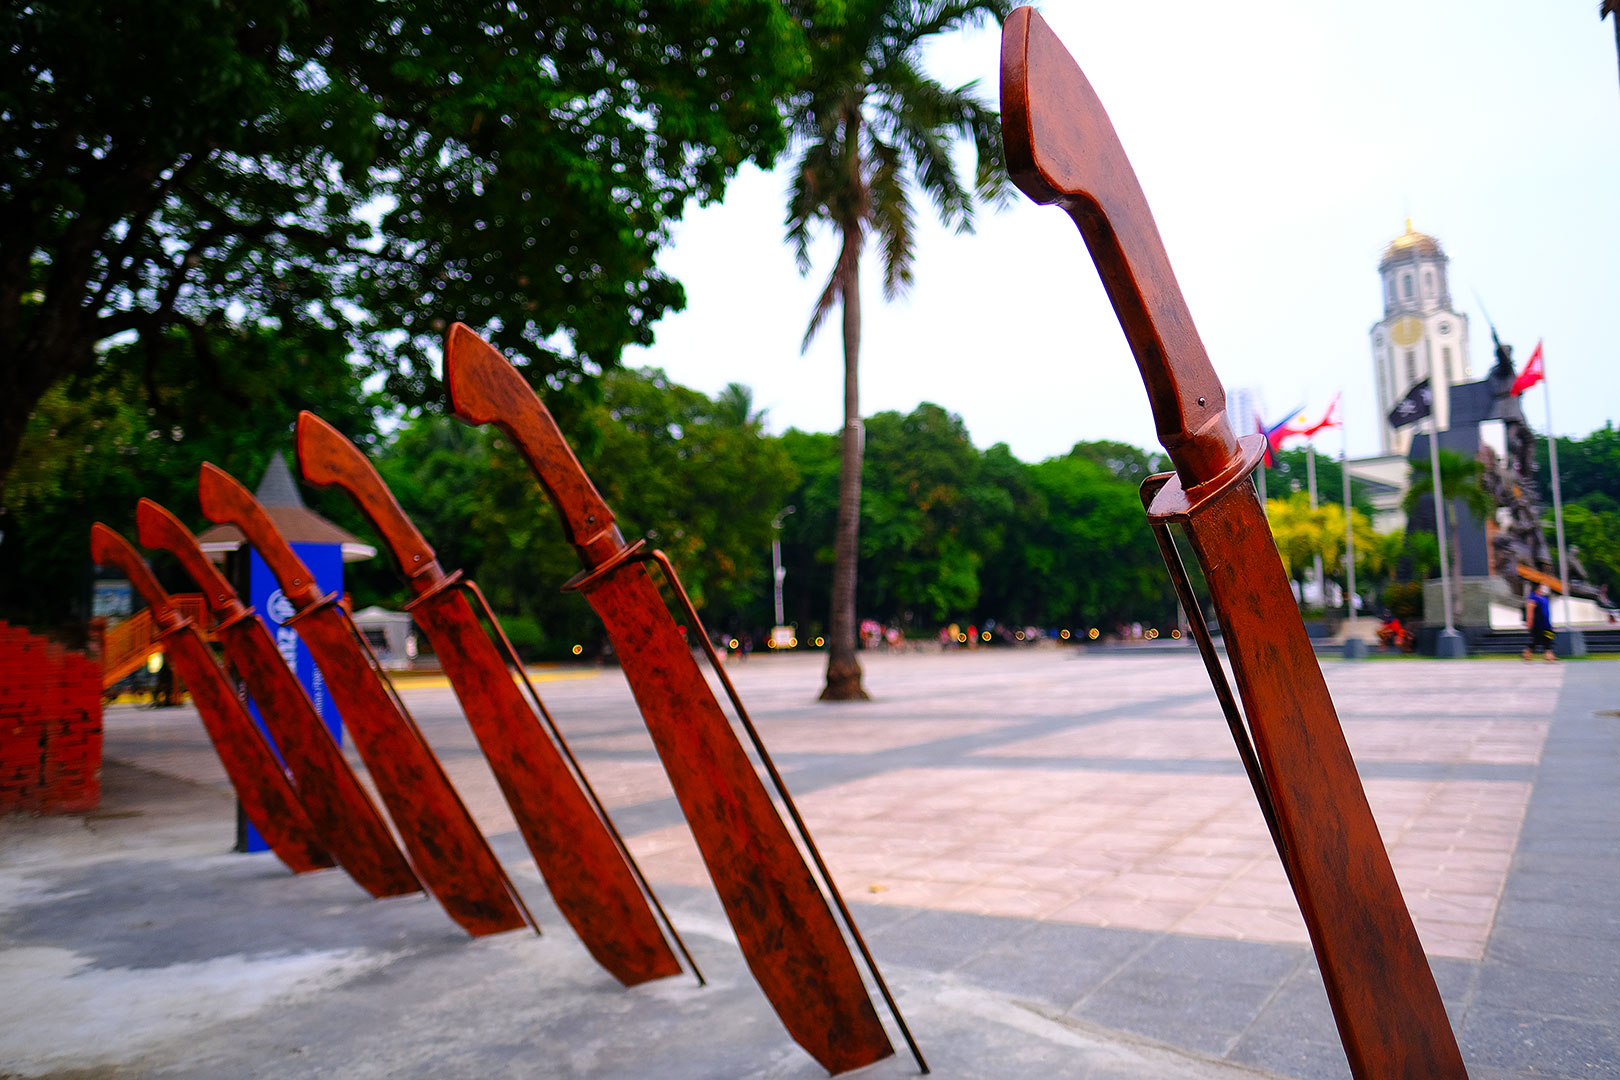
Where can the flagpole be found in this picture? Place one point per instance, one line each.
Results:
(1558, 502)
(1354, 647)
(1310, 480)
(1450, 643)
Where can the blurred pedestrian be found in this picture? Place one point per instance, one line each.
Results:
(1538, 613)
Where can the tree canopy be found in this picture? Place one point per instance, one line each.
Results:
(368, 170)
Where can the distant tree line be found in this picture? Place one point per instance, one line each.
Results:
(1589, 475)
(950, 532)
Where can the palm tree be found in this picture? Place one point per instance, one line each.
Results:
(734, 406)
(872, 128)
(1460, 481)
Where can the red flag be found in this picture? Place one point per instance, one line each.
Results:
(1531, 374)
(1329, 420)
(1275, 434)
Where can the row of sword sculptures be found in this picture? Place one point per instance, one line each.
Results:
(1061, 150)
(315, 812)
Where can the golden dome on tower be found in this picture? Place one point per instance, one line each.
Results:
(1409, 244)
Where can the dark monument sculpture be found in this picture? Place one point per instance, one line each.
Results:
(1062, 149)
(784, 926)
(591, 875)
(1512, 481)
(1519, 552)
(450, 855)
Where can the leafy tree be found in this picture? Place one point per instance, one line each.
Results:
(923, 516)
(1595, 533)
(1378, 559)
(141, 424)
(371, 170)
(872, 129)
(1130, 463)
(674, 466)
(1093, 552)
(1302, 534)
(1587, 467)
(1011, 583)
(807, 536)
(1290, 473)
(1460, 482)
(697, 477)
(1422, 555)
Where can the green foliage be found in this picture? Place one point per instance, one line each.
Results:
(1589, 480)
(1460, 482)
(953, 534)
(527, 639)
(1097, 563)
(1302, 534)
(1291, 473)
(140, 425)
(873, 130)
(1129, 463)
(922, 516)
(1422, 555)
(373, 170)
(1596, 534)
(696, 477)
(1587, 467)
(674, 466)
(1404, 600)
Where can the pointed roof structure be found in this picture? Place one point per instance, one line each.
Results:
(279, 495)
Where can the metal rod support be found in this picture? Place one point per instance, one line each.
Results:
(668, 570)
(511, 656)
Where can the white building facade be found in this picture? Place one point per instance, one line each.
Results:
(1420, 336)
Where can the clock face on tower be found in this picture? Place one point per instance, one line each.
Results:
(1406, 331)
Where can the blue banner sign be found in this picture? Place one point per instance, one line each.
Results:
(325, 562)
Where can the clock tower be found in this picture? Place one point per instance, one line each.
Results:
(1420, 336)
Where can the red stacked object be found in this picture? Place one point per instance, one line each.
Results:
(50, 726)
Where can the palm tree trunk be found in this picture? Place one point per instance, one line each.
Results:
(843, 669)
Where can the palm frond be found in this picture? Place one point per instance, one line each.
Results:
(892, 218)
(836, 284)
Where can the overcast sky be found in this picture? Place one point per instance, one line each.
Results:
(1281, 145)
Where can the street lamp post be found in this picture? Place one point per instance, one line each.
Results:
(777, 573)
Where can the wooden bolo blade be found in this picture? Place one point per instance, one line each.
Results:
(449, 854)
(267, 796)
(348, 822)
(1062, 149)
(783, 923)
(585, 870)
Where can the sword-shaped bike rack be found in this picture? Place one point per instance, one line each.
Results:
(449, 854)
(784, 926)
(267, 796)
(348, 822)
(1061, 149)
(591, 874)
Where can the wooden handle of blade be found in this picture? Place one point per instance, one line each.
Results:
(1061, 149)
(226, 502)
(158, 528)
(108, 548)
(485, 388)
(328, 459)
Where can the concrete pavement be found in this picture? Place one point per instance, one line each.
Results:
(1052, 853)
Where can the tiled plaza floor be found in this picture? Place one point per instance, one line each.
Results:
(1072, 829)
